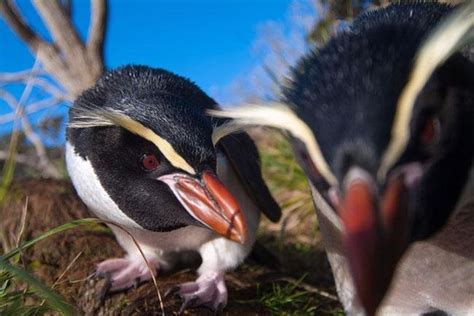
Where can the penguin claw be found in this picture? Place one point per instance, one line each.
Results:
(136, 283)
(172, 291)
(219, 309)
(105, 290)
(102, 275)
(208, 290)
(188, 302)
(123, 273)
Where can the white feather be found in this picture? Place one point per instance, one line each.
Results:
(91, 191)
(86, 116)
(279, 116)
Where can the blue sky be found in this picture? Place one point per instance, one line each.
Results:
(208, 41)
(212, 42)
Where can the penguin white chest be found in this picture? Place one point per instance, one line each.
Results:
(91, 191)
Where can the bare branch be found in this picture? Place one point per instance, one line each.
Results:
(12, 17)
(45, 52)
(37, 81)
(73, 65)
(23, 159)
(97, 30)
(54, 64)
(60, 27)
(31, 108)
(47, 168)
(62, 31)
(51, 89)
(67, 59)
(67, 7)
(18, 75)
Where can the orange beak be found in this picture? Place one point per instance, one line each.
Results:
(375, 236)
(209, 202)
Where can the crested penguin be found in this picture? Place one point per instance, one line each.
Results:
(381, 120)
(140, 154)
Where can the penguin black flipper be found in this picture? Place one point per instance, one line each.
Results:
(242, 153)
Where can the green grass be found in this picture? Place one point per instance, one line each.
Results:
(13, 301)
(285, 299)
(9, 166)
(282, 174)
(24, 294)
(21, 293)
(280, 169)
(18, 288)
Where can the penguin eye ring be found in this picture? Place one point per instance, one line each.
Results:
(149, 162)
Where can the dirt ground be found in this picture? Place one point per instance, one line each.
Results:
(288, 274)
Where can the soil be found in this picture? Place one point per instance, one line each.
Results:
(67, 260)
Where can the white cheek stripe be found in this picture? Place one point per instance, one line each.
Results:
(91, 191)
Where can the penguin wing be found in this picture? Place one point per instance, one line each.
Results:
(242, 154)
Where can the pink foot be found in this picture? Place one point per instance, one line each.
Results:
(208, 290)
(124, 273)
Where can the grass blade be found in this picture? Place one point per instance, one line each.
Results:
(49, 233)
(53, 299)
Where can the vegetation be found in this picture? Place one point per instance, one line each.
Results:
(285, 299)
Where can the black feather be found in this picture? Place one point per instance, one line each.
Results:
(347, 93)
(348, 90)
(243, 155)
(166, 103)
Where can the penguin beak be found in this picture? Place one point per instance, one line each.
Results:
(208, 201)
(376, 230)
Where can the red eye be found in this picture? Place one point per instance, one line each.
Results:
(149, 162)
(430, 132)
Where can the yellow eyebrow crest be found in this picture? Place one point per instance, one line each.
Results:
(447, 38)
(273, 115)
(93, 117)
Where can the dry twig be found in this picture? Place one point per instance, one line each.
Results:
(307, 287)
(46, 166)
(71, 62)
(74, 64)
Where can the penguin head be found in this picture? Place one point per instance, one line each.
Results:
(145, 134)
(381, 121)
(352, 96)
(393, 176)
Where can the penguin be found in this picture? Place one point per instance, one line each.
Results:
(141, 156)
(381, 119)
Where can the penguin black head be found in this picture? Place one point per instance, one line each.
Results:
(381, 119)
(350, 95)
(145, 133)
